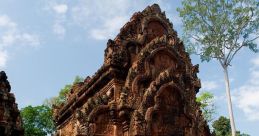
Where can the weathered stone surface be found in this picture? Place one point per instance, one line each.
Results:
(146, 86)
(10, 119)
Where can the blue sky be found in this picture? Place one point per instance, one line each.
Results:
(45, 44)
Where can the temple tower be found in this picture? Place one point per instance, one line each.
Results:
(146, 87)
(10, 119)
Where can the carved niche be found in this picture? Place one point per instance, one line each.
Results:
(155, 29)
(165, 117)
(159, 61)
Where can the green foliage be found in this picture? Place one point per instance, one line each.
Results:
(220, 28)
(205, 99)
(61, 98)
(37, 121)
(222, 127)
(78, 79)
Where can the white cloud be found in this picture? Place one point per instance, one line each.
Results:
(3, 58)
(109, 28)
(60, 9)
(247, 96)
(209, 85)
(6, 22)
(12, 36)
(60, 15)
(255, 62)
(8, 39)
(30, 39)
(59, 29)
(103, 18)
(248, 101)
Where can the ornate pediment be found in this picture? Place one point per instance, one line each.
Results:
(146, 86)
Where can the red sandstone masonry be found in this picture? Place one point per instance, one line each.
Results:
(146, 87)
(10, 119)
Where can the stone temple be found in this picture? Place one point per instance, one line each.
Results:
(146, 86)
(10, 119)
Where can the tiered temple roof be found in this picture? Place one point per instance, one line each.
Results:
(146, 86)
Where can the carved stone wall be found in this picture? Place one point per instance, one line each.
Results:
(146, 87)
(10, 119)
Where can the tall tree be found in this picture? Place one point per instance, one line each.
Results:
(206, 101)
(218, 29)
(37, 121)
(222, 127)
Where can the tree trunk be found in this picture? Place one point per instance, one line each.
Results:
(230, 110)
